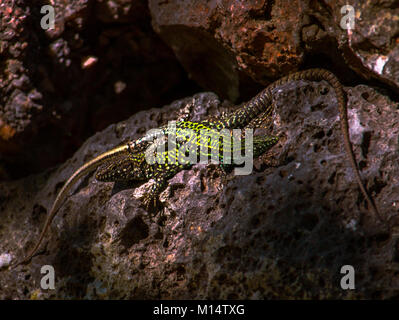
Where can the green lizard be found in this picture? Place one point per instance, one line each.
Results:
(128, 161)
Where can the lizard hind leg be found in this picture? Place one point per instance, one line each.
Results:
(261, 144)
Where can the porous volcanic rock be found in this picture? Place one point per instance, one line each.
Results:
(284, 231)
(100, 64)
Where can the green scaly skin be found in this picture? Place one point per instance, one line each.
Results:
(128, 162)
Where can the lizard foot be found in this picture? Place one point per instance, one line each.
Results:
(151, 204)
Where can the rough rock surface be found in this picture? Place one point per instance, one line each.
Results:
(281, 232)
(223, 44)
(100, 64)
(103, 61)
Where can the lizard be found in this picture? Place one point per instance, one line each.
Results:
(128, 161)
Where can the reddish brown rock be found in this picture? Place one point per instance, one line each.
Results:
(372, 48)
(103, 61)
(282, 232)
(225, 44)
(100, 64)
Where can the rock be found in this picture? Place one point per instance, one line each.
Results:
(103, 61)
(60, 86)
(225, 45)
(281, 232)
(285, 231)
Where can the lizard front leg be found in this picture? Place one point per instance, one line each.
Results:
(161, 176)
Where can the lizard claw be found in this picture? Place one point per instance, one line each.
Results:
(151, 204)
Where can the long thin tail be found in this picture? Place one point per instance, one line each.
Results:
(322, 74)
(263, 103)
(83, 170)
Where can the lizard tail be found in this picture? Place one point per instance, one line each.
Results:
(263, 103)
(83, 170)
(322, 74)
